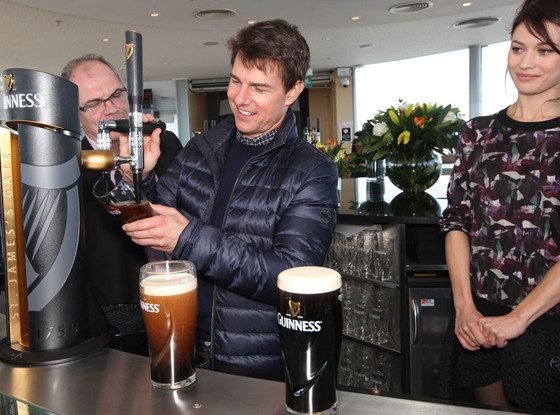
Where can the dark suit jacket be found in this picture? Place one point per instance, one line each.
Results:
(112, 260)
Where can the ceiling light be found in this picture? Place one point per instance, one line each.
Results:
(473, 23)
(154, 14)
(355, 18)
(411, 7)
(251, 22)
(467, 4)
(214, 14)
(105, 39)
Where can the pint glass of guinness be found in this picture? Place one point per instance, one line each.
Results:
(115, 191)
(310, 323)
(168, 298)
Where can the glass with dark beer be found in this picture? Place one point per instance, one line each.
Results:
(168, 298)
(310, 324)
(115, 191)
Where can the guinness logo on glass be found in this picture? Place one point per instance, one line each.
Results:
(9, 82)
(128, 50)
(294, 308)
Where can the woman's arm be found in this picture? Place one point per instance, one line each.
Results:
(544, 296)
(467, 328)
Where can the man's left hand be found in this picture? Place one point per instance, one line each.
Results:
(161, 232)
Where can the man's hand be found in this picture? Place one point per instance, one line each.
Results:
(151, 148)
(161, 232)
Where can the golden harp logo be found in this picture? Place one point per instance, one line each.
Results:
(9, 82)
(294, 308)
(128, 50)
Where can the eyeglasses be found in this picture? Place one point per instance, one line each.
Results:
(97, 105)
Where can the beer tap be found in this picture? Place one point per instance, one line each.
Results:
(133, 53)
(104, 159)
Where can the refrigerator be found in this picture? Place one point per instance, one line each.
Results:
(430, 308)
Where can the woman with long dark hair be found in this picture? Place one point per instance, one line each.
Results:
(500, 243)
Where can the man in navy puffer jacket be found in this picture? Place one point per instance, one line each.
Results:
(244, 201)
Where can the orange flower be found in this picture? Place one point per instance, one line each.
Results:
(419, 122)
(331, 142)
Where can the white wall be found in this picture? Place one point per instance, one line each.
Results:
(165, 102)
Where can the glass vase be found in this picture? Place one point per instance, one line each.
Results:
(414, 175)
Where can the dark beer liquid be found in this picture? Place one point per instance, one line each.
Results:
(310, 356)
(130, 211)
(170, 322)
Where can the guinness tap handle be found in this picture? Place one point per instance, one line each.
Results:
(122, 126)
(133, 54)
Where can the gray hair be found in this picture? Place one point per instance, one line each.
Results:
(90, 57)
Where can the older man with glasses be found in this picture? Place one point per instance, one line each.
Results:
(112, 261)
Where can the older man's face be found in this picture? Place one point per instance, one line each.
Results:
(258, 99)
(97, 81)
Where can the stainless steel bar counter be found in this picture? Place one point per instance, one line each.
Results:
(114, 382)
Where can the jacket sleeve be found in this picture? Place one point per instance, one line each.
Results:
(458, 214)
(301, 236)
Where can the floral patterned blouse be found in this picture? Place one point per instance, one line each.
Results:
(504, 185)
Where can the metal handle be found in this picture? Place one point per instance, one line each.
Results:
(415, 315)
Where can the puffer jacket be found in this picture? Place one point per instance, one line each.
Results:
(281, 214)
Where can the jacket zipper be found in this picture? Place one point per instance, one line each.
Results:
(214, 291)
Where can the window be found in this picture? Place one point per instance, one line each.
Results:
(441, 78)
(498, 90)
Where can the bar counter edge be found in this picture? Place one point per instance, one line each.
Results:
(115, 382)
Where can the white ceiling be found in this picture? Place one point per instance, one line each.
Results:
(44, 34)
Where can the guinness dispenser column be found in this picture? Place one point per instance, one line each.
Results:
(43, 109)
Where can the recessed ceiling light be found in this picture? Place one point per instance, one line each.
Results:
(210, 43)
(105, 39)
(154, 14)
(251, 22)
(328, 39)
(214, 14)
(473, 23)
(467, 4)
(411, 7)
(355, 18)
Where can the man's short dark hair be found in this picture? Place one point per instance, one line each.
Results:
(275, 42)
(90, 57)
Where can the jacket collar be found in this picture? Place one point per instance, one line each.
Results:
(216, 141)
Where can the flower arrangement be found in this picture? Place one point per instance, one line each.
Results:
(411, 131)
(345, 162)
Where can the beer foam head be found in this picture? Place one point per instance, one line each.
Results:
(173, 284)
(309, 280)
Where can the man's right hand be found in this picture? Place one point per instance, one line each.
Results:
(152, 151)
(151, 148)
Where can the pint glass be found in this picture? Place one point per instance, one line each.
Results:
(168, 298)
(115, 191)
(310, 324)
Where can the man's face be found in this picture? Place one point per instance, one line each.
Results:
(97, 81)
(258, 99)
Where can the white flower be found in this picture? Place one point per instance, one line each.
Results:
(380, 128)
(450, 116)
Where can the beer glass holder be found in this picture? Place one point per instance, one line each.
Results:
(370, 264)
(371, 254)
(373, 369)
(370, 314)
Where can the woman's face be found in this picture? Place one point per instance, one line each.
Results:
(533, 65)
